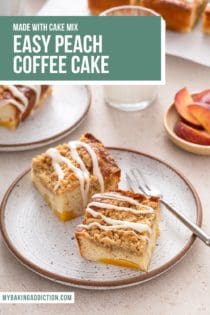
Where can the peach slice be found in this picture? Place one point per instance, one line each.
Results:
(182, 100)
(203, 97)
(191, 134)
(201, 112)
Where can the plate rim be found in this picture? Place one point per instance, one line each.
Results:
(39, 143)
(114, 284)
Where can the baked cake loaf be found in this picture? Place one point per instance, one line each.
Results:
(180, 15)
(68, 175)
(17, 102)
(206, 19)
(120, 228)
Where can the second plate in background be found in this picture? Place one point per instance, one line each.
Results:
(59, 116)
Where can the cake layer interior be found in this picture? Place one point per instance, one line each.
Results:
(66, 206)
(94, 252)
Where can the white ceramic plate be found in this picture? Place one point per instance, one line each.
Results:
(58, 117)
(47, 246)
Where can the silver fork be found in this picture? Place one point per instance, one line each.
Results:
(137, 183)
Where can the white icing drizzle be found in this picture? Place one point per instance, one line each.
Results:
(136, 226)
(73, 145)
(118, 208)
(19, 106)
(18, 94)
(108, 228)
(37, 89)
(57, 158)
(120, 197)
(23, 101)
(118, 224)
(81, 172)
(75, 155)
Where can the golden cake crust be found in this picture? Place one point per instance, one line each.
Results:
(125, 239)
(182, 4)
(42, 166)
(206, 20)
(180, 15)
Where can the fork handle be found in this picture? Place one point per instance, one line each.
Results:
(193, 227)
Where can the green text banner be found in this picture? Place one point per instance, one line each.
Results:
(82, 49)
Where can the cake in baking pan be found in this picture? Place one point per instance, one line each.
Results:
(180, 15)
(206, 19)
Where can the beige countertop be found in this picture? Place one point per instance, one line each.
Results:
(182, 290)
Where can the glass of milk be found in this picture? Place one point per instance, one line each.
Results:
(129, 97)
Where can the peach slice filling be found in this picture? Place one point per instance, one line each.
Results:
(65, 215)
(119, 262)
(7, 124)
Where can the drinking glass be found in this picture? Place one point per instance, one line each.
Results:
(129, 97)
(98, 6)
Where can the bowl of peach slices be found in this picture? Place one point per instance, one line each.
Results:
(187, 121)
